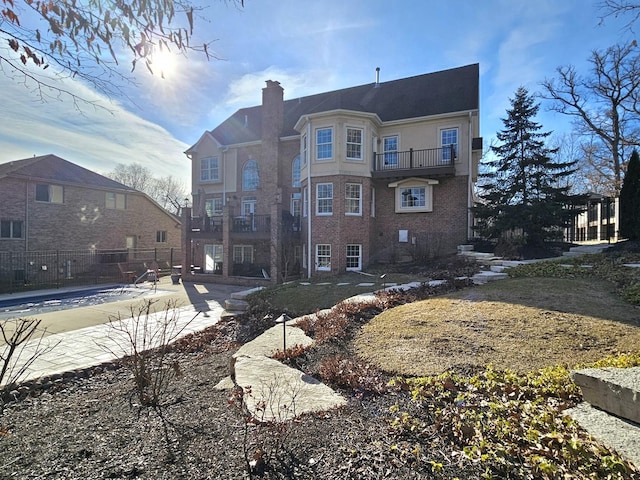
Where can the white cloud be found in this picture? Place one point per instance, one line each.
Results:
(95, 138)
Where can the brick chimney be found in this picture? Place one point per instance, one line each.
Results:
(272, 110)
(270, 165)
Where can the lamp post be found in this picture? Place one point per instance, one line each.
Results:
(284, 318)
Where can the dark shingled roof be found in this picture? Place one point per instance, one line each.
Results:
(447, 91)
(55, 169)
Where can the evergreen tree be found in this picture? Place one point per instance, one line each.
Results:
(630, 200)
(521, 191)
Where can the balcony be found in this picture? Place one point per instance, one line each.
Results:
(431, 162)
(207, 225)
(242, 226)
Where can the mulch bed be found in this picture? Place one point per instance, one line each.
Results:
(93, 428)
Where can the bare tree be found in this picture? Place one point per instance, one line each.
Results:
(604, 107)
(86, 39)
(132, 175)
(570, 147)
(619, 8)
(166, 191)
(21, 344)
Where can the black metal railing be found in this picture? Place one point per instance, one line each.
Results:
(34, 270)
(206, 224)
(415, 159)
(244, 223)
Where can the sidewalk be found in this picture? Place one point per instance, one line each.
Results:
(72, 345)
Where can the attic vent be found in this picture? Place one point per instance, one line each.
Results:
(246, 120)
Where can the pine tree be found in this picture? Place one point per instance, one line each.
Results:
(521, 193)
(630, 200)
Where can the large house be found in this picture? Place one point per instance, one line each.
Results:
(50, 204)
(598, 220)
(382, 172)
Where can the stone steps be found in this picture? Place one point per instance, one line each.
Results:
(611, 408)
(237, 304)
(586, 249)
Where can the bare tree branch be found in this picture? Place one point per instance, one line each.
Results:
(604, 105)
(89, 39)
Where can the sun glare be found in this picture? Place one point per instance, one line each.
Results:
(163, 63)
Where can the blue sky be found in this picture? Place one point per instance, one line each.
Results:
(309, 47)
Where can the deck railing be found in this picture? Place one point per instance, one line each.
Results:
(243, 224)
(415, 159)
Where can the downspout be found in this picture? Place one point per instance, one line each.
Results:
(308, 154)
(470, 183)
(224, 183)
(26, 215)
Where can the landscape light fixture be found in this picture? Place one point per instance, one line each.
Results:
(284, 318)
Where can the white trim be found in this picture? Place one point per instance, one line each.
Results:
(412, 182)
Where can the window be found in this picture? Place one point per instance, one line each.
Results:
(304, 149)
(161, 236)
(296, 210)
(390, 147)
(115, 200)
(209, 169)
(448, 138)
(10, 229)
(414, 195)
(295, 172)
(49, 193)
(324, 143)
(248, 206)
(296, 204)
(305, 202)
(242, 254)
(373, 202)
(250, 177)
(353, 199)
(324, 199)
(213, 206)
(354, 143)
(323, 257)
(354, 257)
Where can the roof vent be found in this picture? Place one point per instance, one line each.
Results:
(377, 77)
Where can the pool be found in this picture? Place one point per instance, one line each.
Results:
(27, 306)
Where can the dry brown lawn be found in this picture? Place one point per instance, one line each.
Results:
(518, 324)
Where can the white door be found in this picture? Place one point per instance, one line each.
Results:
(212, 258)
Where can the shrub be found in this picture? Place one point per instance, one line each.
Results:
(291, 352)
(514, 426)
(352, 373)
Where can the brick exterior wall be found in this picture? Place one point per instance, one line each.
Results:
(82, 221)
(339, 229)
(436, 233)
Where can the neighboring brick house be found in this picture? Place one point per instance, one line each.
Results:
(382, 172)
(48, 203)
